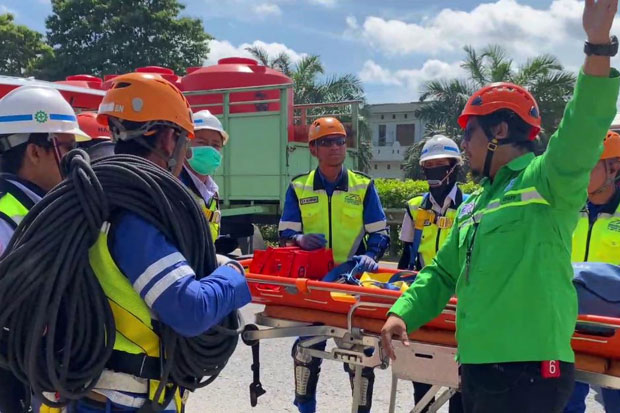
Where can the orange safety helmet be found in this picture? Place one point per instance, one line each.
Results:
(323, 127)
(503, 95)
(146, 98)
(611, 146)
(88, 123)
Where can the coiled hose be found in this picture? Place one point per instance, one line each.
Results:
(59, 329)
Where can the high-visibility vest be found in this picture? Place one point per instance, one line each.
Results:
(135, 335)
(14, 203)
(436, 227)
(340, 217)
(211, 211)
(598, 241)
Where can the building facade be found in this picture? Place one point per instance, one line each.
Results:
(394, 129)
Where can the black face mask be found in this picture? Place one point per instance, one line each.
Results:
(441, 179)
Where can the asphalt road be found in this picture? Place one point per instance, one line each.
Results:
(230, 394)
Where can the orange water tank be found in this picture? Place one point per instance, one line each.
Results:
(237, 72)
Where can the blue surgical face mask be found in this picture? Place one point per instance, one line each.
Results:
(204, 159)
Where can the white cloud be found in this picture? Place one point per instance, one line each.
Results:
(267, 9)
(522, 29)
(352, 23)
(409, 79)
(4, 9)
(324, 3)
(222, 48)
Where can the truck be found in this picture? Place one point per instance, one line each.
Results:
(268, 133)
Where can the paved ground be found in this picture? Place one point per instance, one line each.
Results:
(229, 393)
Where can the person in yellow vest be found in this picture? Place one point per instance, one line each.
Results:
(37, 127)
(203, 159)
(434, 211)
(597, 239)
(429, 217)
(337, 208)
(141, 271)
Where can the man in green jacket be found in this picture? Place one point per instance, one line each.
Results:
(508, 255)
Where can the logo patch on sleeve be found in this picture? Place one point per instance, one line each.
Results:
(310, 200)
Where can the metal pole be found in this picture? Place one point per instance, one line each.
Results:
(357, 389)
(393, 390)
(227, 155)
(355, 129)
(283, 143)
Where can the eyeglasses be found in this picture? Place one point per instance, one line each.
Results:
(67, 146)
(327, 142)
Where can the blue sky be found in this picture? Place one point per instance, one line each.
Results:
(394, 46)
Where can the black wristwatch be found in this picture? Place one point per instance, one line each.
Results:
(609, 49)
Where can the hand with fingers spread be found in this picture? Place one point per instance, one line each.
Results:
(394, 327)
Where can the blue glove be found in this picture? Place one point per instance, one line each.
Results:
(310, 242)
(366, 263)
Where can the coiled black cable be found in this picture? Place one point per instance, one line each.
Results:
(59, 328)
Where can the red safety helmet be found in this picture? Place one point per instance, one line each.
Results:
(503, 95)
(88, 123)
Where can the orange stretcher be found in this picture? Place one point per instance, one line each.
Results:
(295, 303)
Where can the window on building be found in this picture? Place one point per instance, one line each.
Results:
(405, 116)
(402, 166)
(382, 117)
(382, 133)
(405, 134)
(393, 116)
(388, 166)
(375, 166)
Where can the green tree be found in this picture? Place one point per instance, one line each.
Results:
(116, 36)
(311, 86)
(20, 47)
(542, 75)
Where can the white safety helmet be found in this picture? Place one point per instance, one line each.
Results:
(440, 147)
(35, 109)
(206, 120)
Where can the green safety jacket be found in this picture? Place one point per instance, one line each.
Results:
(508, 256)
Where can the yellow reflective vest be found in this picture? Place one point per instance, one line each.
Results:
(339, 217)
(211, 211)
(598, 241)
(14, 203)
(135, 336)
(436, 227)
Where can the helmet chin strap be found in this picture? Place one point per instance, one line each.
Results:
(434, 183)
(492, 146)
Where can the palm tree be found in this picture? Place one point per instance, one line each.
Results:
(542, 75)
(311, 86)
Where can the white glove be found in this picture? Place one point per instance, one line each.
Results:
(224, 260)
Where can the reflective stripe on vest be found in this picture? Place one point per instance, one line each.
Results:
(12, 208)
(134, 328)
(212, 213)
(433, 236)
(511, 199)
(604, 245)
(347, 213)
